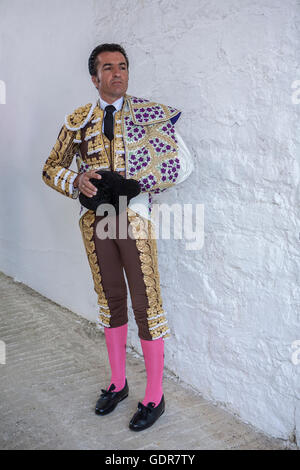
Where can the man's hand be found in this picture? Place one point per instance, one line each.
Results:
(82, 181)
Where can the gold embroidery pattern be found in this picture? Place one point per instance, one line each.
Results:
(151, 176)
(119, 149)
(98, 144)
(75, 119)
(143, 232)
(86, 224)
(78, 137)
(55, 172)
(99, 159)
(83, 166)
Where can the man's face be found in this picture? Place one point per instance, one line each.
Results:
(112, 76)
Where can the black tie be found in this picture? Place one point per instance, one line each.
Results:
(109, 122)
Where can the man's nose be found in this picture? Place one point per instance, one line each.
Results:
(117, 72)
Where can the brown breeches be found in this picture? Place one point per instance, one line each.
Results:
(110, 257)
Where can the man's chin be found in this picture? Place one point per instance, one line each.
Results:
(118, 92)
(113, 93)
(120, 89)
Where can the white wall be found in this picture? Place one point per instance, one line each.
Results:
(234, 305)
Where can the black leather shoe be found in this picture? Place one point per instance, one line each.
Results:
(108, 399)
(145, 416)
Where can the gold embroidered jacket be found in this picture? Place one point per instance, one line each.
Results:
(144, 146)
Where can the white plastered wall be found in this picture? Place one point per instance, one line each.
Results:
(233, 306)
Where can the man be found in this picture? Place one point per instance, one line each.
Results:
(137, 138)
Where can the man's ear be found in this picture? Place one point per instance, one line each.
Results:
(95, 80)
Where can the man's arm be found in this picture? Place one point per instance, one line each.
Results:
(55, 171)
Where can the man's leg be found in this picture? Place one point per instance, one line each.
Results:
(109, 283)
(153, 352)
(116, 339)
(139, 257)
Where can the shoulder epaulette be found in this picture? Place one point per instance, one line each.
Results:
(80, 117)
(149, 112)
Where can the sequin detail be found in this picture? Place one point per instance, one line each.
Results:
(144, 234)
(86, 224)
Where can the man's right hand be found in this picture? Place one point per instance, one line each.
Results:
(82, 181)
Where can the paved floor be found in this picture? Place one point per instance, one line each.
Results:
(56, 364)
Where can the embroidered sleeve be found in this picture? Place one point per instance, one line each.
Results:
(55, 171)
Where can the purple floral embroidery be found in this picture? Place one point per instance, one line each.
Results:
(149, 113)
(136, 100)
(159, 190)
(147, 182)
(134, 133)
(160, 146)
(83, 167)
(138, 160)
(145, 114)
(150, 202)
(168, 128)
(169, 170)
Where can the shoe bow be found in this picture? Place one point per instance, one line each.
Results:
(144, 410)
(106, 393)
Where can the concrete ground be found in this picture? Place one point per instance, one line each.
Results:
(56, 365)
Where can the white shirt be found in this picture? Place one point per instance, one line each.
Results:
(117, 104)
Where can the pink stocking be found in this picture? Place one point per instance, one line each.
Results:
(153, 351)
(116, 339)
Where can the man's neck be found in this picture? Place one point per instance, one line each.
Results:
(118, 103)
(110, 99)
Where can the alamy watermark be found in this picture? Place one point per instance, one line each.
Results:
(188, 222)
(2, 92)
(2, 352)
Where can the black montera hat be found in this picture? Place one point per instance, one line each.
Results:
(110, 187)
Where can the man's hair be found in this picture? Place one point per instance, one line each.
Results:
(93, 62)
